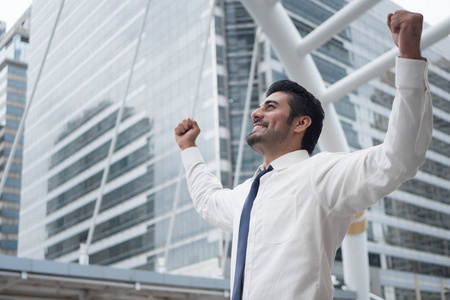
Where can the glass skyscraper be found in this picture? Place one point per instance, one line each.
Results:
(71, 124)
(189, 64)
(13, 88)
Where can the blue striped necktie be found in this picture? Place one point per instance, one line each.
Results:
(243, 236)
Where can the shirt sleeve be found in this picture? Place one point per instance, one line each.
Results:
(349, 183)
(214, 203)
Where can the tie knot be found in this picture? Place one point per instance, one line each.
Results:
(262, 172)
(268, 169)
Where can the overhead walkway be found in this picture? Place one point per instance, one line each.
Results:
(23, 278)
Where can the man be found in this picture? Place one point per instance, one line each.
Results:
(285, 240)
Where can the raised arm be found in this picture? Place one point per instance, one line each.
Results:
(349, 183)
(214, 203)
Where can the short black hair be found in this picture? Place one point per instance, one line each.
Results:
(302, 103)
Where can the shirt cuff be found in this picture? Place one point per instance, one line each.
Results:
(191, 156)
(410, 73)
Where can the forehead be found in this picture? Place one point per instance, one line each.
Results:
(280, 97)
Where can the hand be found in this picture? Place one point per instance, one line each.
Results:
(186, 133)
(406, 28)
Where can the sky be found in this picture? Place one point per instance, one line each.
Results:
(11, 10)
(433, 10)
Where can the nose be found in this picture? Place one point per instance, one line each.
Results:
(257, 114)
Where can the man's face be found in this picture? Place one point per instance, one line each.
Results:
(270, 122)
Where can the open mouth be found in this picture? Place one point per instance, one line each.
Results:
(258, 126)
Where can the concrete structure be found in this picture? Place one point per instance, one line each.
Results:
(158, 62)
(13, 87)
(22, 278)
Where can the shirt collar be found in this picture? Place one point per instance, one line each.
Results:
(287, 160)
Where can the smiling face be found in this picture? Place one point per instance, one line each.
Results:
(270, 123)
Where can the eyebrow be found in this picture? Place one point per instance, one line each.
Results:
(267, 102)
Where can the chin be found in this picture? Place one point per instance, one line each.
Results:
(253, 139)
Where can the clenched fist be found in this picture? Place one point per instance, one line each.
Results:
(186, 133)
(406, 29)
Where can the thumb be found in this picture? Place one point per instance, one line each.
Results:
(389, 20)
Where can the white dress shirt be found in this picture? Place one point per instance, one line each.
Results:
(306, 204)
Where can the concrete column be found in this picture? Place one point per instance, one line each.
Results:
(354, 254)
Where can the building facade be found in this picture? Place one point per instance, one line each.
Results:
(71, 124)
(193, 59)
(13, 87)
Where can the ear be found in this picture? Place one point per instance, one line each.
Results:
(302, 123)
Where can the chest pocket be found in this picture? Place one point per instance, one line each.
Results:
(278, 216)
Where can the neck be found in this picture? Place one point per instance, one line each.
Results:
(270, 152)
(270, 157)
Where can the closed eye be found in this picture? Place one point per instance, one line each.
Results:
(269, 104)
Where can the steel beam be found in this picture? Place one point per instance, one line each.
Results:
(333, 25)
(383, 63)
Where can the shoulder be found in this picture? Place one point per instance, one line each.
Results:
(326, 156)
(333, 158)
